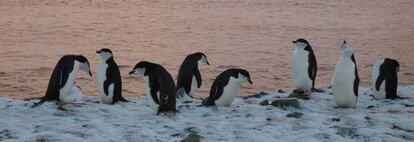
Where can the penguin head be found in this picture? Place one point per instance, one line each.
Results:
(202, 58)
(243, 76)
(105, 53)
(141, 68)
(393, 63)
(84, 64)
(346, 49)
(301, 43)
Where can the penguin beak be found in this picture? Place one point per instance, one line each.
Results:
(207, 62)
(250, 81)
(294, 42)
(132, 72)
(344, 42)
(99, 52)
(90, 73)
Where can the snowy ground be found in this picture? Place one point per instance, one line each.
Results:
(371, 120)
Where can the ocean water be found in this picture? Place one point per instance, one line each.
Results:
(254, 35)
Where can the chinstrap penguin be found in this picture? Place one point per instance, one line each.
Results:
(385, 79)
(109, 78)
(304, 66)
(189, 76)
(63, 78)
(160, 85)
(346, 80)
(226, 86)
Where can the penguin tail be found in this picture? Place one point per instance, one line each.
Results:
(39, 103)
(122, 99)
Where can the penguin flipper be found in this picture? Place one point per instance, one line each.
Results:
(356, 80)
(198, 78)
(380, 78)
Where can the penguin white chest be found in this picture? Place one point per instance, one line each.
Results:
(64, 91)
(147, 86)
(379, 94)
(101, 77)
(300, 65)
(193, 86)
(229, 93)
(343, 83)
(74, 95)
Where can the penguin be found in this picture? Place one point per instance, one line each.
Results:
(385, 79)
(226, 86)
(63, 78)
(304, 65)
(346, 79)
(109, 78)
(189, 77)
(160, 85)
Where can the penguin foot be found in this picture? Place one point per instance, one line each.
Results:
(61, 108)
(78, 104)
(317, 90)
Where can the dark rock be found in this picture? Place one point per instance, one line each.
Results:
(264, 103)
(371, 106)
(261, 94)
(193, 137)
(367, 118)
(282, 103)
(296, 115)
(176, 135)
(300, 94)
(347, 132)
(6, 134)
(336, 119)
(281, 91)
(190, 129)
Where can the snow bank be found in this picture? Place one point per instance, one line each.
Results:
(246, 120)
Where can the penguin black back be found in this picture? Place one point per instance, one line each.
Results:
(114, 76)
(313, 66)
(356, 80)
